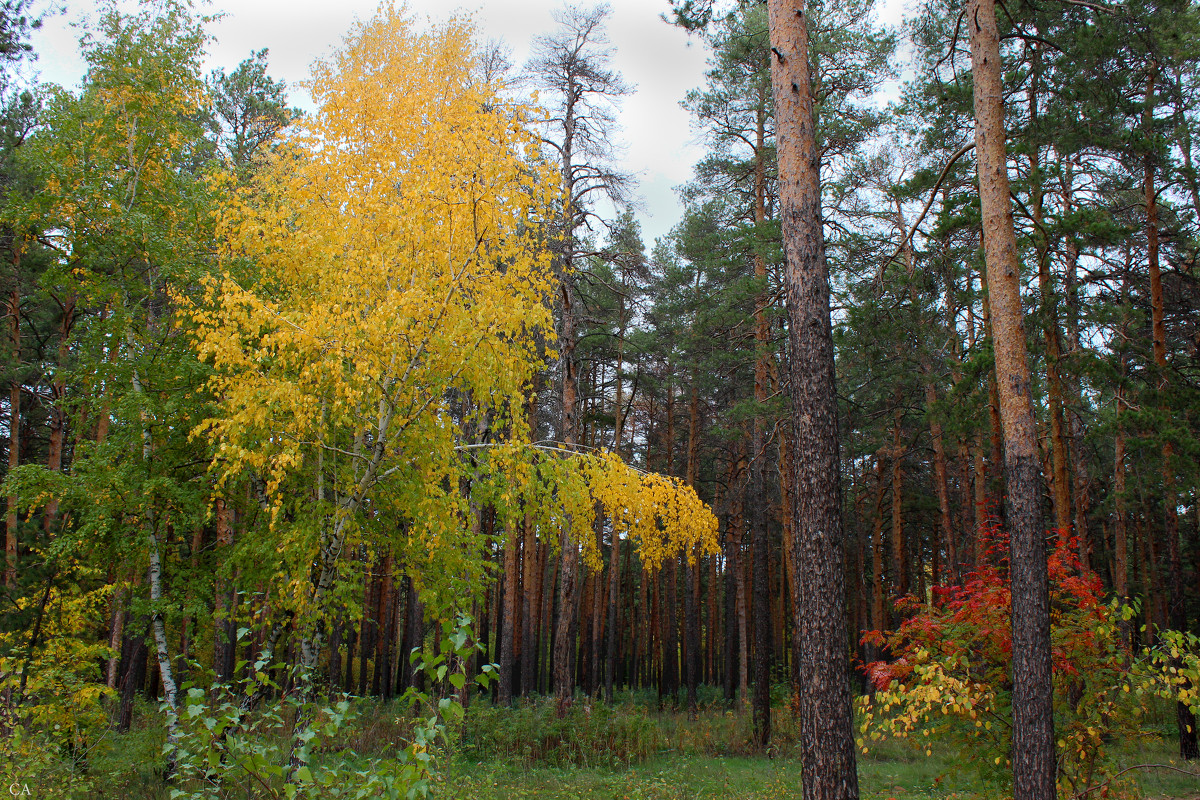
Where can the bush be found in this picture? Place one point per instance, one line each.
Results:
(949, 677)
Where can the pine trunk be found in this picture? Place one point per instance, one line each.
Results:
(826, 720)
(1033, 753)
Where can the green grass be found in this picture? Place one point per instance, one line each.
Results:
(711, 757)
(630, 750)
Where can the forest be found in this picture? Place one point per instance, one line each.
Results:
(370, 451)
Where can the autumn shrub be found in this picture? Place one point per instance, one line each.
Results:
(589, 734)
(947, 681)
(52, 718)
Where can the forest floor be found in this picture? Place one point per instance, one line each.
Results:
(521, 754)
(632, 751)
(897, 774)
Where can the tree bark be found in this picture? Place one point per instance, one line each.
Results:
(1033, 752)
(14, 427)
(1177, 611)
(508, 624)
(826, 720)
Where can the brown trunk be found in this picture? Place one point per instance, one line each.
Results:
(759, 505)
(1120, 537)
(549, 573)
(670, 631)
(599, 604)
(691, 570)
(879, 620)
(829, 770)
(899, 565)
(224, 633)
(1079, 464)
(530, 605)
(1059, 484)
(1033, 753)
(941, 483)
(995, 472)
(508, 630)
(1189, 747)
(58, 411)
(387, 641)
(14, 428)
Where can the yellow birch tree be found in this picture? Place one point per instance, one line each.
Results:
(385, 283)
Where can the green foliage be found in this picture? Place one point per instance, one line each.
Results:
(224, 747)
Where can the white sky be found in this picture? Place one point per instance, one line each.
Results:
(659, 144)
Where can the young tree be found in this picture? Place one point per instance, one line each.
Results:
(402, 285)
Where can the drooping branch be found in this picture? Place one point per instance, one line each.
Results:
(966, 148)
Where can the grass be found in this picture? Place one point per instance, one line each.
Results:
(627, 751)
(711, 757)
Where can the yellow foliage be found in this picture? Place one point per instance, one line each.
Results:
(396, 240)
(385, 283)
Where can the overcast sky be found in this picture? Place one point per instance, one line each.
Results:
(658, 142)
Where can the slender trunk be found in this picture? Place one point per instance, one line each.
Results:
(899, 562)
(1060, 483)
(154, 574)
(732, 645)
(387, 641)
(879, 619)
(1033, 753)
(826, 720)
(1189, 748)
(760, 506)
(58, 411)
(224, 633)
(1120, 537)
(509, 615)
(599, 617)
(530, 606)
(1079, 462)
(14, 428)
(941, 483)
(996, 457)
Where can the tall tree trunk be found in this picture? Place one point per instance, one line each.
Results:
(1060, 482)
(224, 624)
(156, 596)
(58, 411)
(1120, 537)
(899, 561)
(879, 606)
(387, 641)
(14, 426)
(1079, 462)
(941, 483)
(508, 626)
(826, 720)
(691, 568)
(1177, 611)
(530, 606)
(760, 505)
(1033, 752)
